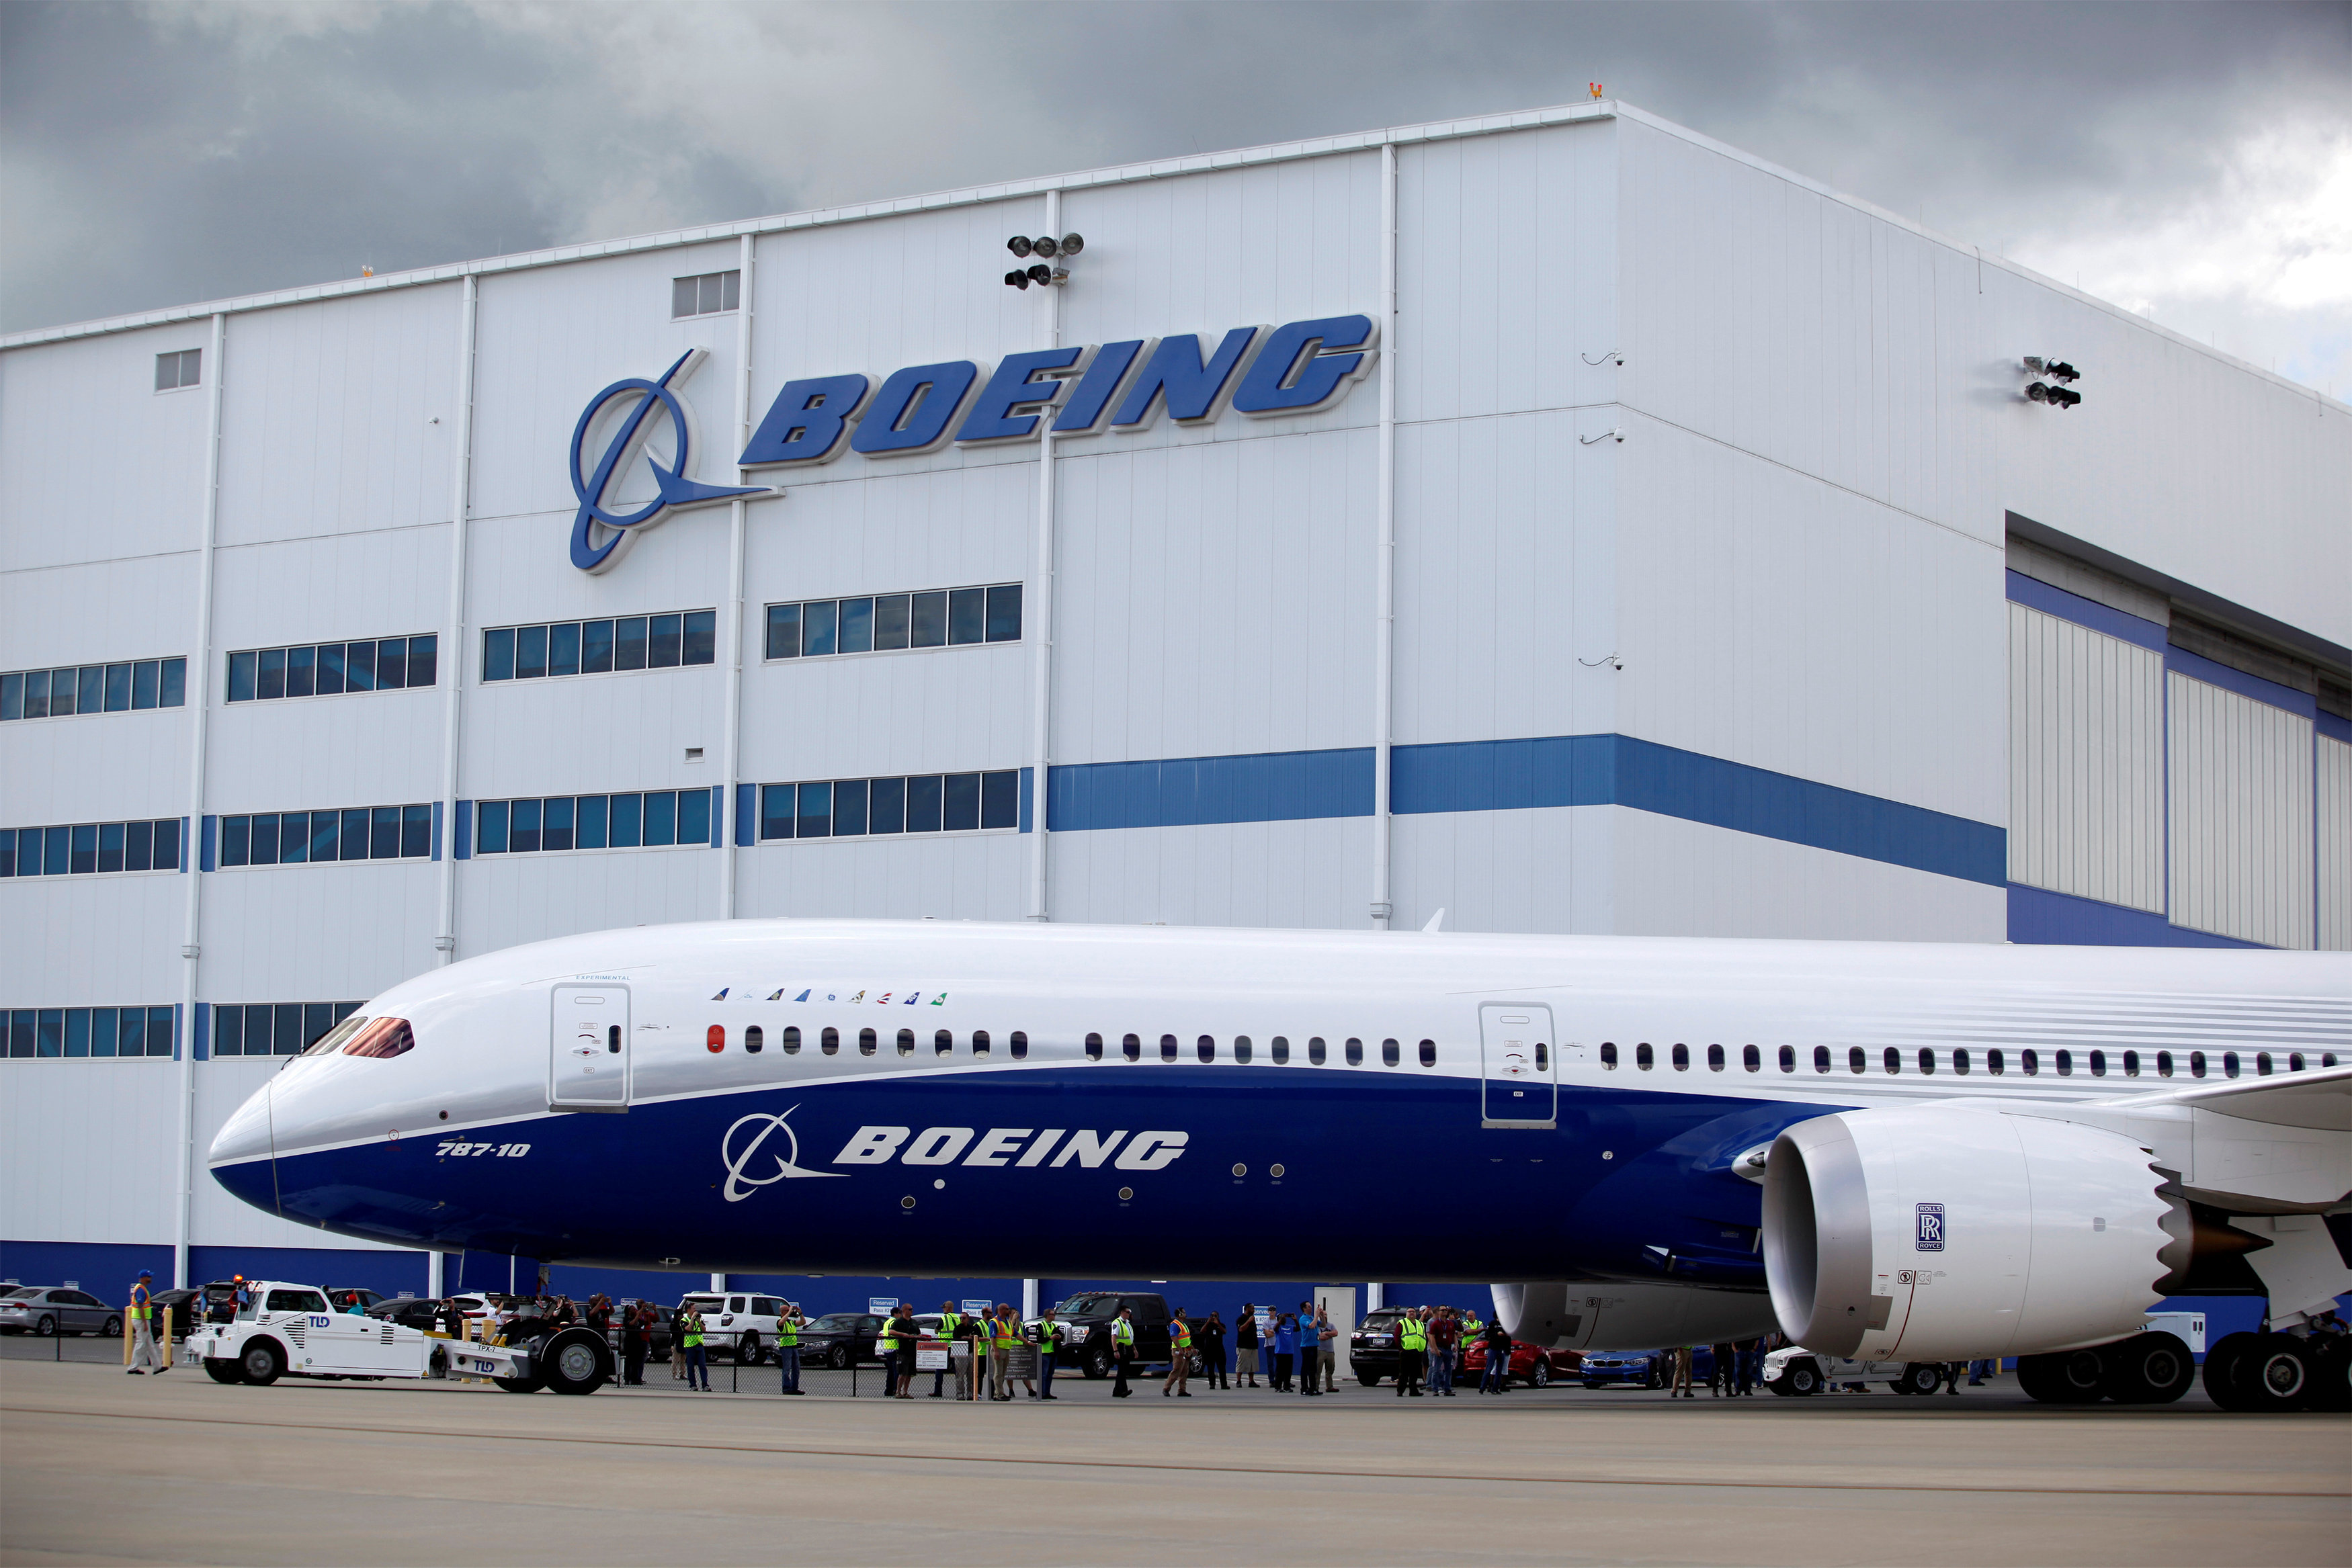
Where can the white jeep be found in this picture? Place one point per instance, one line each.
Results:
(289, 1330)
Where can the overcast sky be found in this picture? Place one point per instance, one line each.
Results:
(2193, 161)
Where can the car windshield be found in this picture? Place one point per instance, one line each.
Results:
(1079, 1306)
(838, 1323)
(701, 1303)
(23, 1293)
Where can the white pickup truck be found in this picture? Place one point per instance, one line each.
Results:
(290, 1330)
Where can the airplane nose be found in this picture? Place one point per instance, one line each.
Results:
(243, 1156)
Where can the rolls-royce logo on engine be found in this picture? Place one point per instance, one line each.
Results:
(1929, 1236)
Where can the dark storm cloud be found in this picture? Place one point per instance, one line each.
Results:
(155, 154)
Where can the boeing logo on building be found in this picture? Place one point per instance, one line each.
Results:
(602, 533)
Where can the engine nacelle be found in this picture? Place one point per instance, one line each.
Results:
(1629, 1316)
(1931, 1234)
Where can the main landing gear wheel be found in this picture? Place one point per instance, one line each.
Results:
(1920, 1377)
(2278, 1373)
(262, 1362)
(2331, 1372)
(574, 1361)
(2147, 1369)
(2063, 1377)
(221, 1370)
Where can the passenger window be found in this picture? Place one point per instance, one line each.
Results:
(1280, 1047)
(2028, 1061)
(868, 1042)
(1428, 1053)
(1787, 1059)
(1996, 1061)
(1821, 1059)
(1131, 1047)
(1094, 1048)
(754, 1039)
(829, 1042)
(2099, 1063)
(1354, 1051)
(2066, 1064)
(1857, 1060)
(1315, 1051)
(979, 1042)
(1960, 1063)
(1682, 1059)
(1242, 1049)
(1644, 1058)
(1020, 1043)
(1167, 1048)
(1205, 1047)
(1750, 1058)
(943, 1044)
(2262, 1063)
(790, 1040)
(1391, 1056)
(1893, 1060)
(2131, 1064)
(2229, 1063)
(1715, 1059)
(1609, 1054)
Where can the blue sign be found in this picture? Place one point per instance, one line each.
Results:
(1264, 372)
(601, 535)
(1930, 1234)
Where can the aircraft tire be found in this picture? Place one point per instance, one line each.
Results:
(2278, 1373)
(261, 1363)
(2225, 1366)
(2146, 1369)
(2062, 1377)
(2331, 1372)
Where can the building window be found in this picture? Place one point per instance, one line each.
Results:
(89, 1031)
(332, 669)
(87, 848)
(706, 294)
(185, 368)
(274, 1029)
(658, 819)
(599, 647)
(94, 688)
(315, 838)
(864, 808)
(883, 622)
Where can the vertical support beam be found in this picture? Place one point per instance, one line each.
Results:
(454, 659)
(1376, 1296)
(718, 1281)
(731, 747)
(1384, 621)
(435, 1275)
(199, 689)
(1039, 611)
(1031, 1300)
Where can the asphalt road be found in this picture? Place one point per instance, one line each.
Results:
(99, 1468)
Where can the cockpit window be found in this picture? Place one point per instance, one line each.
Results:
(331, 1041)
(384, 1037)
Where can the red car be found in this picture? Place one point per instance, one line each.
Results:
(1529, 1365)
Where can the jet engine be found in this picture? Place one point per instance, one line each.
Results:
(1629, 1316)
(1933, 1234)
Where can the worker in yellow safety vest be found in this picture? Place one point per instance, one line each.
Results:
(950, 1327)
(1049, 1342)
(1004, 1339)
(1180, 1356)
(142, 1317)
(1122, 1350)
(690, 1335)
(904, 1332)
(788, 1346)
(1412, 1348)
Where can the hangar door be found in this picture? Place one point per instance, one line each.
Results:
(589, 1049)
(1516, 1049)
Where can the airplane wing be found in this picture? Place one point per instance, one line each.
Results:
(2320, 1099)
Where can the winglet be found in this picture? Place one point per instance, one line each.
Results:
(1436, 920)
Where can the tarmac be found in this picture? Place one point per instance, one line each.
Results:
(96, 1468)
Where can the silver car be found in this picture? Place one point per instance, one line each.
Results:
(46, 1310)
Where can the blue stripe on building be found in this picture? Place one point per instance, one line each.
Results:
(1197, 792)
(2036, 594)
(2038, 916)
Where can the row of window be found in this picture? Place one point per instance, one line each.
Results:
(90, 1032)
(647, 820)
(599, 647)
(85, 848)
(920, 803)
(274, 1029)
(1995, 1060)
(328, 669)
(94, 688)
(297, 838)
(753, 1039)
(705, 294)
(942, 618)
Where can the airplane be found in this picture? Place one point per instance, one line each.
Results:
(1895, 1152)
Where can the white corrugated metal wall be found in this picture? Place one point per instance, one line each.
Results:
(2086, 762)
(2241, 818)
(2332, 773)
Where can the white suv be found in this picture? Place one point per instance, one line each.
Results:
(740, 1322)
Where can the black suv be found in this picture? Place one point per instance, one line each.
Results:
(1373, 1350)
(1085, 1322)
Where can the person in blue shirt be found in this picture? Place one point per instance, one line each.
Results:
(1285, 1351)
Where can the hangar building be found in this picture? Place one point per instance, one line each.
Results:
(1557, 518)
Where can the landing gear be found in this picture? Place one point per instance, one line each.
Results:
(2146, 1369)
(2268, 1372)
(2063, 1377)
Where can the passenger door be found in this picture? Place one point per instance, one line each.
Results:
(589, 1049)
(1516, 1049)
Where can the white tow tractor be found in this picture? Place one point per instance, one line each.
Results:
(2154, 1368)
(287, 1331)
